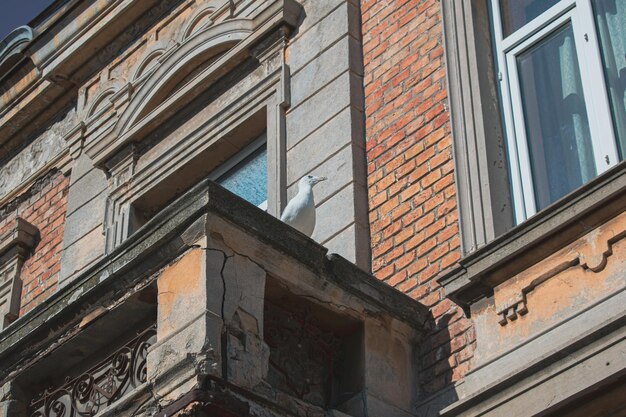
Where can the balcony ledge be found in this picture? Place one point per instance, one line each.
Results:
(168, 235)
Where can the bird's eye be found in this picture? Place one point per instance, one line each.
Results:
(309, 176)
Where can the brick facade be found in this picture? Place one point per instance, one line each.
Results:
(44, 206)
(412, 195)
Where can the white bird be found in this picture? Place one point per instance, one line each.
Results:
(300, 211)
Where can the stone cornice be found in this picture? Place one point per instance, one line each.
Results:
(477, 274)
(11, 48)
(56, 62)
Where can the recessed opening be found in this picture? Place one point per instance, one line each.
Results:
(316, 354)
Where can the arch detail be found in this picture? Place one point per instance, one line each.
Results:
(102, 100)
(147, 64)
(199, 21)
(174, 66)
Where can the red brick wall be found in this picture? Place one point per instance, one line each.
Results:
(412, 195)
(44, 207)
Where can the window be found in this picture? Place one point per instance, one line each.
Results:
(562, 72)
(245, 174)
(243, 170)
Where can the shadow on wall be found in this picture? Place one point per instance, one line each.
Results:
(438, 355)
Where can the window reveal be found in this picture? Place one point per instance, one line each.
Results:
(610, 18)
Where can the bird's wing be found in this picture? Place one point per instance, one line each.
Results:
(290, 213)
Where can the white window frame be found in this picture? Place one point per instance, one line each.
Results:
(238, 157)
(580, 14)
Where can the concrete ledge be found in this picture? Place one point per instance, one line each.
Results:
(567, 369)
(543, 234)
(21, 234)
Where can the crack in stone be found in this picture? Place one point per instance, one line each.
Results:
(223, 278)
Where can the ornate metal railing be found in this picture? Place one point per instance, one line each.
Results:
(102, 385)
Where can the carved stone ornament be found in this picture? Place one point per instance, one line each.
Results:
(589, 253)
(120, 109)
(16, 243)
(11, 47)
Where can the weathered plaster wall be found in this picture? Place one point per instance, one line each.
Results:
(41, 151)
(33, 188)
(553, 290)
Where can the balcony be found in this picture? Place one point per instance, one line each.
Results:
(214, 307)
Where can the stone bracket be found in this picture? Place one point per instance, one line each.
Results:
(15, 246)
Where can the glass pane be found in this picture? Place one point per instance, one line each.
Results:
(248, 179)
(557, 128)
(516, 13)
(611, 23)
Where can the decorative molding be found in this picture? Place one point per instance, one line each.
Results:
(591, 253)
(595, 255)
(16, 244)
(518, 306)
(75, 140)
(11, 48)
(219, 38)
(207, 32)
(559, 225)
(119, 214)
(118, 114)
(100, 104)
(510, 312)
(61, 59)
(200, 20)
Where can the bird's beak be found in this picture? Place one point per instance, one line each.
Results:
(320, 179)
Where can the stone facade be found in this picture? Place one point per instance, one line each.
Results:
(132, 284)
(235, 315)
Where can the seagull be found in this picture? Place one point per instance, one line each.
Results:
(300, 211)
